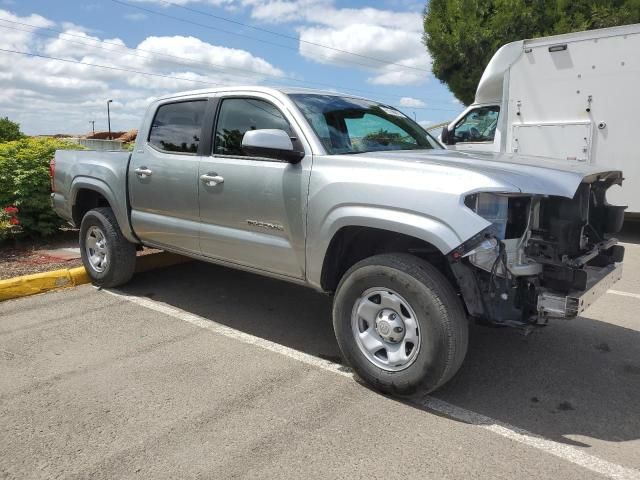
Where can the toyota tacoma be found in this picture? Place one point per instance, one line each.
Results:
(352, 198)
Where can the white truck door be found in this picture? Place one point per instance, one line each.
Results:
(476, 130)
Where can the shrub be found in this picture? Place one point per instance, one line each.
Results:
(25, 183)
(9, 130)
(9, 223)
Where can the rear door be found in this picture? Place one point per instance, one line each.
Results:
(255, 215)
(163, 176)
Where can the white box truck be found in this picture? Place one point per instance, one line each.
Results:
(574, 97)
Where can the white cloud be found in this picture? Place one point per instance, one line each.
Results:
(19, 39)
(323, 12)
(411, 102)
(279, 11)
(50, 96)
(395, 37)
(194, 49)
(217, 3)
(135, 17)
(397, 49)
(74, 27)
(372, 34)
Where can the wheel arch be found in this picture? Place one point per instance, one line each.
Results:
(365, 231)
(88, 193)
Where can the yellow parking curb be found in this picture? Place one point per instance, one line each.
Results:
(70, 277)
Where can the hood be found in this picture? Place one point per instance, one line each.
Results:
(528, 174)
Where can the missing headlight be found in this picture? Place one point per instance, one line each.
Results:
(510, 217)
(508, 214)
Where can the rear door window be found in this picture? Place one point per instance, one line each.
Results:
(177, 127)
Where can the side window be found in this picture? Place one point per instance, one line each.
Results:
(237, 115)
(478, 126)
(177, 126)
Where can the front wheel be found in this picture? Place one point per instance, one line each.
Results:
(108, 257)
(400, 324)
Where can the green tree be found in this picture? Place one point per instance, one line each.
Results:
(9, 130)
(463, 35)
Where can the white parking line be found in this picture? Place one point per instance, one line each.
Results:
(565, 452)
(624, 294)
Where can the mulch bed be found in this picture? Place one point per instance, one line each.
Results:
(25, 256)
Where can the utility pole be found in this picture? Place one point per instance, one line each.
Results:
(93, 126)
(109, 118)
(415, 119)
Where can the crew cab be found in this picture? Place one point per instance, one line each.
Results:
(354, 199)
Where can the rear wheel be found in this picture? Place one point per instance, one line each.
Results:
(400, 324)
(108, 257)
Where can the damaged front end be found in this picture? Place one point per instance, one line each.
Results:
(542, 256)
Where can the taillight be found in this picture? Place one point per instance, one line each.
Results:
(52, 172)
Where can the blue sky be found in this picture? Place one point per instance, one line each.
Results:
(375, 51)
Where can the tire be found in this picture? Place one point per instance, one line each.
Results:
(101, 237)
(419, 296)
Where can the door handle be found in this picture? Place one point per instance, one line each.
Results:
(211, 179)
(143, 172)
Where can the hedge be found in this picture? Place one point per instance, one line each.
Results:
(25, 184)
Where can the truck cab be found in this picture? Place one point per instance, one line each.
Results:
(476, 129)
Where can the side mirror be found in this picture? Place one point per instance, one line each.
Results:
(445, 136)
(270, 143)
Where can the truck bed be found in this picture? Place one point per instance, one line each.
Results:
(105, 172)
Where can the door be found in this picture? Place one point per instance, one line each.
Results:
(254, 213)
(476, 130)
(163, 178)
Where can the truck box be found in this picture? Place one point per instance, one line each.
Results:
(571, 97)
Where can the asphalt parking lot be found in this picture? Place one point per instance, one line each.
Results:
(197, 371)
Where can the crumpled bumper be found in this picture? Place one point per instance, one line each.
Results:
(554, 305)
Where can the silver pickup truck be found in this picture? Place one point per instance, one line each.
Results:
(351, 198)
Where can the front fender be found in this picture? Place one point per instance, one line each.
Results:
(431, 230)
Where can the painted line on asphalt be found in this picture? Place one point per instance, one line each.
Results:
(232, 333)
(565, 452)
(560, 450)
(624, 294)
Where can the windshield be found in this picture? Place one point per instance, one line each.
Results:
(354, 125)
